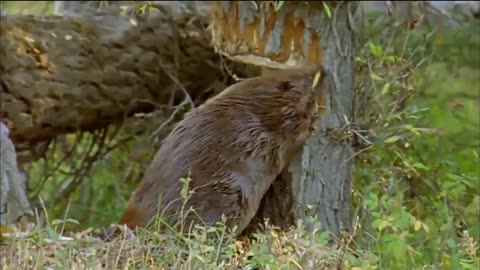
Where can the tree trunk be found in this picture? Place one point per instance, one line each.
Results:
(62, 74)
(323, 175)
(319, 182)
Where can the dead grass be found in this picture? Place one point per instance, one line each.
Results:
(206, 248)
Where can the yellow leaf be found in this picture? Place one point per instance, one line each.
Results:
(296, 264)
(316, 79)
(385, 88)
(133, 22)
(417, 225)
(375, 77)
(123, 10)
(425, 227)
(383, 224)
(392, 139)
(327, 9)
(360, 60)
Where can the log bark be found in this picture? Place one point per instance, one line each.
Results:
(318, 184)
(62, 74)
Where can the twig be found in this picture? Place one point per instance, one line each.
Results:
(345, 244)
(233, 75)
(170, 119)
(187, 95)
(358, 153)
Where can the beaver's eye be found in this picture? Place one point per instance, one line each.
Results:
(284, 86)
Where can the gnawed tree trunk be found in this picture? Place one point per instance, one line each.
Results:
(62, 74)
(319, 183)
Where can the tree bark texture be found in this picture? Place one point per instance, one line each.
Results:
(319, 182)
(62, 74)
(323, 175)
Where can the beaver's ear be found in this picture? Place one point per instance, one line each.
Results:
(284, 86)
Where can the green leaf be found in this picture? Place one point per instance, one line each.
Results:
(327, 9)
(68, 220)
(391, 58)
(371, 258)
(209, 249)
(417, 225)
(455, 177)
(52, 234)
(278, 5)
(468, 266)
(185, 187)
(375, 77)
(451, 243)
(143, 8)
(375, 50)
(425, 227)
(412, 129)
(399, 249)
(323, 238)
(71, 220)
(420, 166)
(383, 224)
(392, 139)
(360, 60)
(385, 88)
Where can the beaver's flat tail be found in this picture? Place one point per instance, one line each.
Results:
(133, 217)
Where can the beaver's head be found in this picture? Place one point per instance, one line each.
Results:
(305, 86)
(275, 112)
(286, 101)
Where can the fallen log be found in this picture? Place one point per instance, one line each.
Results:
(63, 74)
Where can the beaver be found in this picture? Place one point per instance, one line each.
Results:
(232, 147)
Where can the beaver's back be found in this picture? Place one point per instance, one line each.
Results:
(216, 149)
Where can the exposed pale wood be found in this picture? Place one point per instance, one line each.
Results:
(265, 37)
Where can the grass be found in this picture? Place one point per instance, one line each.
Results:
(204, 248)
